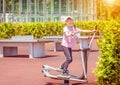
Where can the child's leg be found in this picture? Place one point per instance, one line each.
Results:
(68, 55)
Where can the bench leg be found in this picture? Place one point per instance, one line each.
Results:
(84, 43)
(1, 52)
(10, 51)
(37, 50)
(57, 46)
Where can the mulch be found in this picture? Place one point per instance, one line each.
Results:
(20, 70)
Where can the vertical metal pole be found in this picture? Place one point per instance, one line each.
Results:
(100, 8)
(89, 14)
(95, 9)
(47, 10)
(4, 10)
(20, 11)
(30, 11)
(84, 10)
(60, 1)
(12, 10)
(87, 9)
(81, 8)
(68, 7)
(92, 9)
(52, 10)
(38, 7)
(44, 9)
(78, 9)
(35, 10)
(0, 11)
(0, 5)
(27, 10)
(73, 8)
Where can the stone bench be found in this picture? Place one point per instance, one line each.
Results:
(57, 42)
(9, 47)
(84, 41)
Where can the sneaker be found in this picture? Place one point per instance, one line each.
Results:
(59, 69)
(64, 75)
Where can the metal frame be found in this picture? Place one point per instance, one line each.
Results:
(83, 77)
(47, 73)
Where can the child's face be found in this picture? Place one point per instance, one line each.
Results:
(69, 22)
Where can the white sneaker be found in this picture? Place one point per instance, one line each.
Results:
(65, 75)
(59, 69)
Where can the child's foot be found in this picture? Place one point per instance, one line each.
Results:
(59, 69)
(64, 75)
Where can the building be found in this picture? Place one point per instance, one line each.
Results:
(46, 10)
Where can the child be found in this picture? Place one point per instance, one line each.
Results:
(68, 41)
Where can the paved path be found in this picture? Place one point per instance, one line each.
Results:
(20, 70)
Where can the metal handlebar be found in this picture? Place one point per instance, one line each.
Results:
(93, 36)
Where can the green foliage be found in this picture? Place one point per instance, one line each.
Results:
(108, 66)
(38, 30)
(6, 30)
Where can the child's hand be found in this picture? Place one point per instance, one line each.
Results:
(69, 33)
(75, 32)
(72, 33)
(94, 30)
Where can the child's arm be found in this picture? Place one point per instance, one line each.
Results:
(72, 33)
(87, 30)
(69, 33)
(78, 31)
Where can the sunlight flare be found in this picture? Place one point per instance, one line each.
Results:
(110, 1)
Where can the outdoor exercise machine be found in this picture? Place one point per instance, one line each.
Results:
(85, 44)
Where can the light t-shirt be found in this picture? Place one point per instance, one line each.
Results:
(69, 41)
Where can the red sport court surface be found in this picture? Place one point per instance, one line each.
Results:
(20, 70)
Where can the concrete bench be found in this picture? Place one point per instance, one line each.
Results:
(83, 41)
(9, 47)
(57, 42)
(25, 37)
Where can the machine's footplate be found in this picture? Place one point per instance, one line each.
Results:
(47, 73)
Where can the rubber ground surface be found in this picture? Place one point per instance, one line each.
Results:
(20, 70)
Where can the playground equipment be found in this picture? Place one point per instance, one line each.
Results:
(86, 44)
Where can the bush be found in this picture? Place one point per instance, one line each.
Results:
(108, 66)
(39, 29)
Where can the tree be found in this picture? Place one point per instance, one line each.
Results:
(108, 10)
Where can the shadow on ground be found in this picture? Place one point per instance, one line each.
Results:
(27, 56)
(50, 83)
